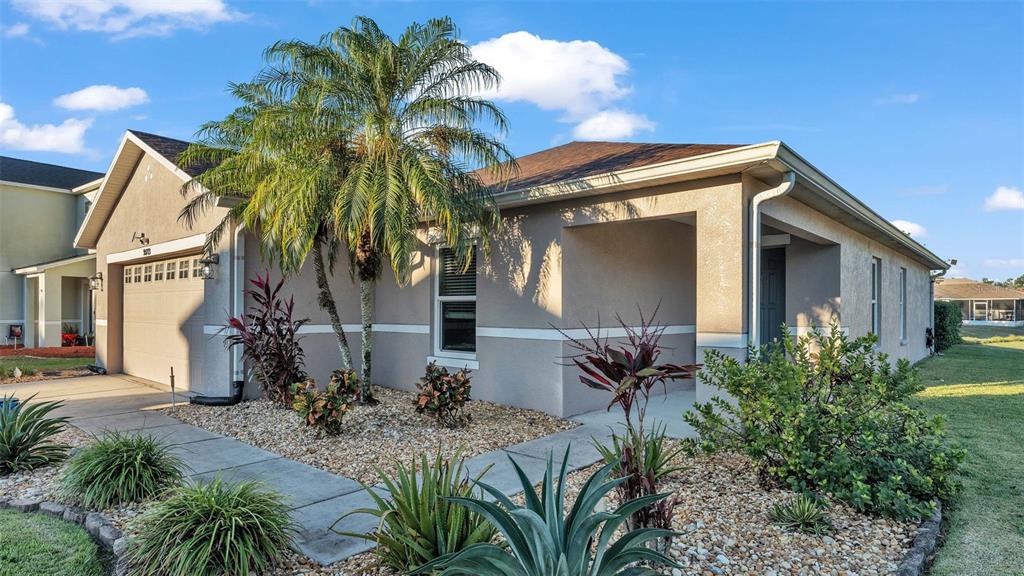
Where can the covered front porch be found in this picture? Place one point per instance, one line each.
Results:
(57, 300)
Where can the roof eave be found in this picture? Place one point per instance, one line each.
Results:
(37, 268)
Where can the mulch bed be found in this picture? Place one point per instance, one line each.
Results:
(55, 352)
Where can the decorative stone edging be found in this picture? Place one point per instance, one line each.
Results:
(917, 559)
(98, 526)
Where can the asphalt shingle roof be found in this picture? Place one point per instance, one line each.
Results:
(42, 174)
(582, 159)
(965, 289)
(170, 148)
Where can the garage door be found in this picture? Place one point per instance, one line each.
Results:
(163, 313)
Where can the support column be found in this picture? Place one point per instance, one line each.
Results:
(49, 309)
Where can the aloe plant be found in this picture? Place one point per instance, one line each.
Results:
(541, 540)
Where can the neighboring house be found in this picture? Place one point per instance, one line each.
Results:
(43, 277)
(983, 304)
(590, 230)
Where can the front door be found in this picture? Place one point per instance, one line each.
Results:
(773, 293)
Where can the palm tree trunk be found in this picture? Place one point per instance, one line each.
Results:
(326, 301)
(367, 286)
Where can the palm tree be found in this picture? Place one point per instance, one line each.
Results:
(281, 163)
(418, 132)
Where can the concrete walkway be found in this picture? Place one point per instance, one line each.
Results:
(662, 410)
(317, 498)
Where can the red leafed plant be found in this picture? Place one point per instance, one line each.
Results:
(68, 339)
(326, 409)
(444, 395)
(268, 335)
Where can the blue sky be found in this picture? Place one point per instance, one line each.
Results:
(916, 108)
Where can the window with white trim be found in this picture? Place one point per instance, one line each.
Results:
(158, 273)
(172, 269)
(127, 274)
(137, 273)
(197, 268)
(903, 303)
(183, 269)
(876, 297)
(455, 307)
(147, 273)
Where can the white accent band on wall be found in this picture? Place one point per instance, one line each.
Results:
(101, 321)
(12, 321)
(554, 334)
(354, 328)
(454, 362)
(805, 330)
(721, 340)
(195, 241)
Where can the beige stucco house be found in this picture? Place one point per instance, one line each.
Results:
(43, 278)
(983, 304)
(732, 241)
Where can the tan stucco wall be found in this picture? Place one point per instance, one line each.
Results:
(35, 226)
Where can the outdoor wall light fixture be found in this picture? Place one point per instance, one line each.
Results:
(208, 264)
(96, 281)
(141, 237)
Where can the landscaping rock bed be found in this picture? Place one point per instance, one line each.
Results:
(723, 515)
(373, 436)
(54, 374)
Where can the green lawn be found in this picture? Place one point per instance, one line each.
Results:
(973, 333)
(37, 545)
(30, 365)
(980, 389)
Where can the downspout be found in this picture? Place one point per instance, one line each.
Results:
(754, 314)
(237, 308)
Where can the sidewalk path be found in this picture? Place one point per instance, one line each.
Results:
(317, 498)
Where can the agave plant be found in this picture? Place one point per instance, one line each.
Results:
(802, 513)
(25, 431)
(541, 540)
(418, 521)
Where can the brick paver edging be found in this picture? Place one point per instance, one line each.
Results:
(97, 525)
(918, 558)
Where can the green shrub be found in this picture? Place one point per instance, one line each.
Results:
(837, 420)
(326, 409)
(802, 513)
(210, 530)
(542, 540)
(948, 319)
(444, 395)
(119, 468)
(418, 522)
(643, 461)
(25, 435)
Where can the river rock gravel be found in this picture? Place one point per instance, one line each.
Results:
(373, 436)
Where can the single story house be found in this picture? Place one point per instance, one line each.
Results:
(731, 240)
(983, 304)
(44, 281)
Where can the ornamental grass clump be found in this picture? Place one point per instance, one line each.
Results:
(418, 520)
(119, 468)
(26, 432)
(802, 513)
(831, 415)
(444, 395)
(211, 530)
(540, 539)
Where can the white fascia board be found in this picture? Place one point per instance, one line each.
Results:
(840, 197)
(164, 161)
(35, 187)
(103, 189)
(713, 163)
(88, 186)
(36, 269)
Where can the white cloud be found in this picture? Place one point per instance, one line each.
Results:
(1005, 198)
(15, 30)
(909, 98)
(67, 137)
(579, 78)
(1005, 263)
(102, 97)
(128, 18)
(611, 125)
(913, 228)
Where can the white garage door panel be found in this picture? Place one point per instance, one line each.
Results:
(161, 317)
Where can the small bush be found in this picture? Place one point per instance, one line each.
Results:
(643, 461)
(26, 430)
(802, 513)
(268, 335)
(119, 468)
(418, 522)
(444, 395)
(326, 409)
(210, 530)
(837, 421)
(948, 319)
